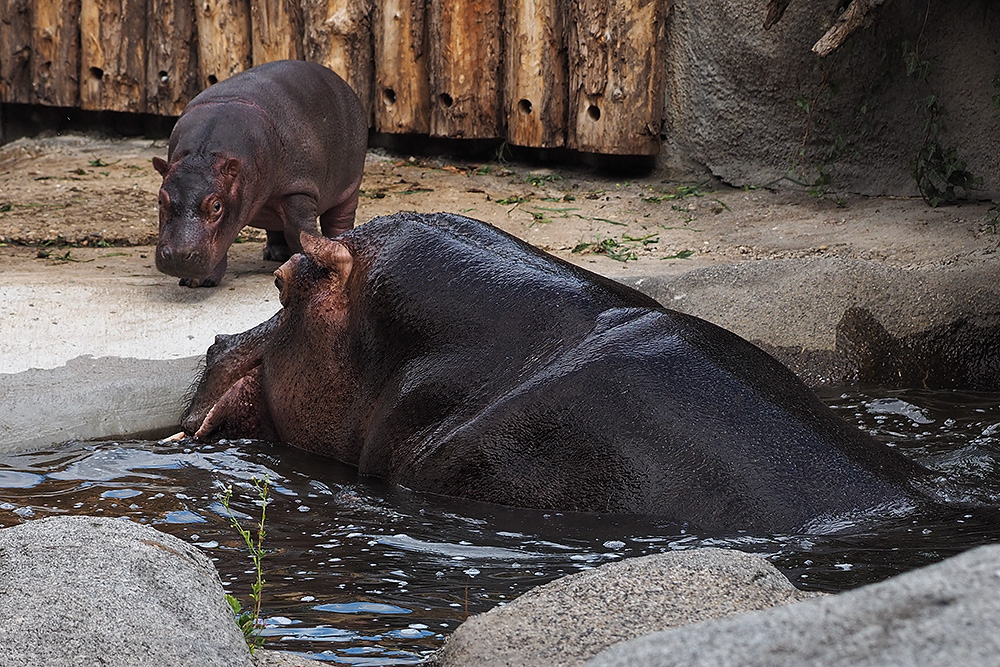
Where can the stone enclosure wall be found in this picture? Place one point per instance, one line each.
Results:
(757, 107)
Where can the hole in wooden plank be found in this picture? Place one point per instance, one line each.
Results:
(389, 97)
(524, 106)
(446, 100)
(97, 73)
(594, 112)
(212, 80)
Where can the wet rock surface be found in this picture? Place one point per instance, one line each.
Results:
(943, 614)
(574, 618)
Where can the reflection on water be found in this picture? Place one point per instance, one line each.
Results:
(363, 573)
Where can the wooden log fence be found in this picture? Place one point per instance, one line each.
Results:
(582, 74)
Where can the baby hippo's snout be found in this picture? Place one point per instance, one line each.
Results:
(192, 264)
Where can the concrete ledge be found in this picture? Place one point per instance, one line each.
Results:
(92, 398)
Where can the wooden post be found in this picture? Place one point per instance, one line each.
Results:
(402, 81)
(55, 67)
(464, 39)
(535, 73)
(171, 63)
(277, 30)
(15, 50)
(616, 55)
(223, 39)
(113, 55)
(338, 34)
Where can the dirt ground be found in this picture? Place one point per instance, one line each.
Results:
(79, 203)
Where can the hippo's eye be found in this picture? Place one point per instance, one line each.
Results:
(217, 206)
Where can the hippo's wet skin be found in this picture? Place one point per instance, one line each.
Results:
(272, 147)
(442, 354)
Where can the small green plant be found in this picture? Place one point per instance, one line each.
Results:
(621, 251)
(515, 199)
(940, 175)
(680, 192)
(538, 180)
(249, 620)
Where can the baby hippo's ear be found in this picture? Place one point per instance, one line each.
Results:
(160, 165)
(330, 254)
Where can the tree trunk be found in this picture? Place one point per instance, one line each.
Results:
(171, 63)
(277, 30)
(15, 50)
(535, 68)
(55, 66)
(113, 55)
(338, 34)
(402, 82)
(223, 39)
(616, 55)
(464, 38)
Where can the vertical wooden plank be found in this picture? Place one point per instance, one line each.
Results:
(277, 30)
(535, 73)
(616, 55)
(223, 28)
(55, 67)
(15, 51)
(172, 59)
(402, 81)
(464, 39)
(338, 34)
(113, 55)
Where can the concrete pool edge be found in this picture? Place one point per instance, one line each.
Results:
(91, 398)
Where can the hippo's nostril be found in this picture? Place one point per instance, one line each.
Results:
(165, 253)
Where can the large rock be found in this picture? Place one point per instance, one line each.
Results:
(573, 618)
(99, 591)
(944, 614)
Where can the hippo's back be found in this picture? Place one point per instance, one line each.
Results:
(528, 381)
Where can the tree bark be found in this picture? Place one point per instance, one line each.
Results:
(616, 55)
(402, 80)
(113, 55)
(535, 99)
(857, 14)
(277, 30)
(464, 38)
(338, 34)
(15, 50)
(223, 28)
(171, 63)
(55, 65)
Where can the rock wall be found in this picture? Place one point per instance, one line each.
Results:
(757, 107)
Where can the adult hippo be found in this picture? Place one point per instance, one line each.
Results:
(442, 354)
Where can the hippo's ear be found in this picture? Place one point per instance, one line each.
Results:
(331, 255)
(232, 167)
(160, 165)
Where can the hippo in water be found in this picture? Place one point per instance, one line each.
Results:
(272, 147)
(444, 355)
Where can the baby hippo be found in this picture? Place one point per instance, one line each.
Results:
(272, 147)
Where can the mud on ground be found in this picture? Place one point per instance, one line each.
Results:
(79, 203)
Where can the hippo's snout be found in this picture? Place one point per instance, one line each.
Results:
(184, 262)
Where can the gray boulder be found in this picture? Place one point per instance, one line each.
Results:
(575, 617)
(100, 591)
(943, 614)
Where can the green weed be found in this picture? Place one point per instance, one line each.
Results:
(621, 251)
(249, 620)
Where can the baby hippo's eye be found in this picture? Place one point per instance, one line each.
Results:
(217, 206)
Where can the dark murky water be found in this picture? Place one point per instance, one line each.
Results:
(365, 574)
